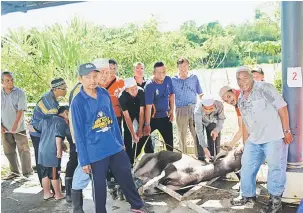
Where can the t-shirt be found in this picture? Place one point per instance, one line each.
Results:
(237, 96)
(186, 90)
(50, 128)
(114, 88)
(10, 104)
(158, 96)
(132, 104)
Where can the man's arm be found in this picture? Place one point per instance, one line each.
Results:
(198, 88)
(149, 99)
(59, 146)
(22, 106)
(171, 106)
(221, 117)
(272, 96)
(245, 132)
(130, 125)
(199, 125)
(80, 139)
(239, 133)
(141, 121)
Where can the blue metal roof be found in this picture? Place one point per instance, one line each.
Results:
(24, 6)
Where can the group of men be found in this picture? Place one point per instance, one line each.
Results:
(101, 102)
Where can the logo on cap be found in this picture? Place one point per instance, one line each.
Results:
(89, 66)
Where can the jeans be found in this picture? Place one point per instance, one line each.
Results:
(275, 153)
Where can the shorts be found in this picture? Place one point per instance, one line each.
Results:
(53, 173)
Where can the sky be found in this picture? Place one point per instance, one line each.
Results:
(171, 14)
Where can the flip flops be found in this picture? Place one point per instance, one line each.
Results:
(50, 198)
(11, 176)
(60, 198)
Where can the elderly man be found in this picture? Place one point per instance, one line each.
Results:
(266, 120)
(209, 115)
(99, 142)
(186, 87)
(159, 100)
(13, 105)
(47, 106)
(133, 104)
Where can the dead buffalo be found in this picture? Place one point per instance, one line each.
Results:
(180, 170)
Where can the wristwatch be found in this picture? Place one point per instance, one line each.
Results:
(146, 124)
(286, 131)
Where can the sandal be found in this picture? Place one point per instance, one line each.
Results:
(50, 198)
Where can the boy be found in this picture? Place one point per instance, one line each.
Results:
(98, 140)
(53, 131)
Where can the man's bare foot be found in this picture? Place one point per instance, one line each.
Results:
(48, 196)
(59, 197)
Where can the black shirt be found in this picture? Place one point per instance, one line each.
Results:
(132, 104)
(143, 83)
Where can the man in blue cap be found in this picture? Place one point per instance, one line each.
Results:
(98, 140)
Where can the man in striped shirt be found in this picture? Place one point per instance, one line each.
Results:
(47, 106)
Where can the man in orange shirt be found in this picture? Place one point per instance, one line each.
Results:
(114, 86)
(230, 96)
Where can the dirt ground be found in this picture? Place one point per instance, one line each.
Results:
(24, 195)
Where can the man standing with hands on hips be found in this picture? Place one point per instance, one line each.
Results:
(98, 140)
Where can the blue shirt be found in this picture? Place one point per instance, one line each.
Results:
(50, 128)
(96, 131)
(158, 95)
(186, 90)
(46, 107)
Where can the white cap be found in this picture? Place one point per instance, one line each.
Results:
(208, 100)
(130, 82)
(101, 63)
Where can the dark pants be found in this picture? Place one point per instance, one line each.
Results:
(35, 141)
(165, 127)
(121, 168)
(210, 142)
(119, 119)
(73, 161)
(130, 147)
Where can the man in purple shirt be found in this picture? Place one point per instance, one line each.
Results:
(159, 100)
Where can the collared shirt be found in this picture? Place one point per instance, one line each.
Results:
(10, 104)
(132, 104)
(186, 90)
(141, 85)
(47, 106)
(202, 119)
(50, 128)
(96, 131)
(260, 113)
(158, 95)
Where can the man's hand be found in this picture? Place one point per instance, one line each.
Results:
(3, 129)
(140, 133)
(288, 138)
(207, 153)
(64, 147)
(239, 149)
(147, 130)
(59, 153)
(214, 134)
(30, 128)
(135, 138)
(87, 169)
(171, 115)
